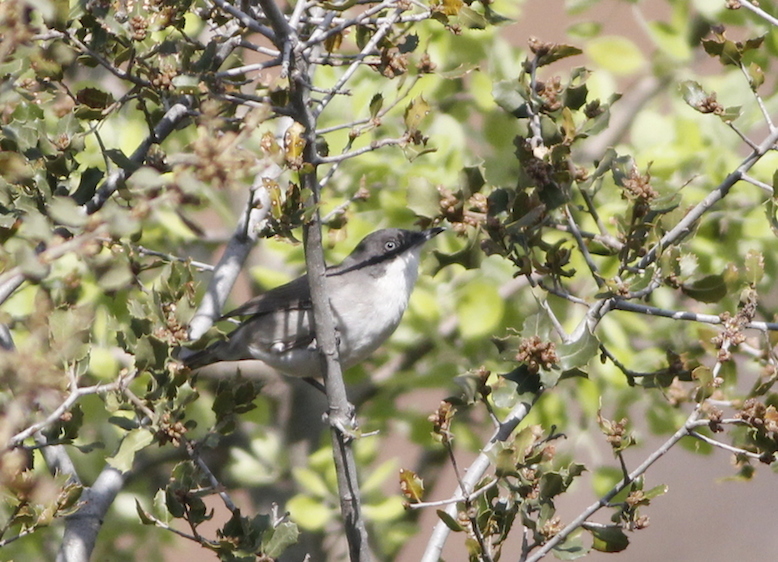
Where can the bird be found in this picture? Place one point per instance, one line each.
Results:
(368, 293)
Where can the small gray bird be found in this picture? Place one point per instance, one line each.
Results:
(368, 292)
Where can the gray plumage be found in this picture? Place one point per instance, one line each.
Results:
(368, 291)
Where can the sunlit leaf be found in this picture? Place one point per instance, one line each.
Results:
(282, 537)
(617, 54)
(479, 310)
(415, 113)
(133, 442)
(411, 486)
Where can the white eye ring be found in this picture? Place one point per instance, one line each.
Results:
(390, 245)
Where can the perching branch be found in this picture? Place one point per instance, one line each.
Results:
(339, 409)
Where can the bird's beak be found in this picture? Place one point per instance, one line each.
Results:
(432, 232)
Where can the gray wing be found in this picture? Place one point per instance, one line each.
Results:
(277, 321)
(295, 295)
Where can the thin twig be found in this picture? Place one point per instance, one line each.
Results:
(375, 145)
(194, 454)
(767, 188)
(21, 534)
(246, 20)
(619, 304)
(371, 44)
(116, 179)
(65, 406)
(604, 501)
(758, 11)
(475, 495)
(730, 448)
(582, 247)
(473, 475)
(686, 224)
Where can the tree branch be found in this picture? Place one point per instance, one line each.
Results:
(65, 406)
(758, 11)
(81, 528)
(371, 44)
(473, 475)
(339, 409)
(231, 263)
(116, 179)
(604, 501)
(686, 224)
(619, 304)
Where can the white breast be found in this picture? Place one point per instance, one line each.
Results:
(368, 312)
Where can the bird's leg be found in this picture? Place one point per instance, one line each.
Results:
(347, 425)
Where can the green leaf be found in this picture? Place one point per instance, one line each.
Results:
(415, 113)
(459, 71)
(411, 485)
(134, 441)
(571, 548)
(376, 103)
(378, 475)
(729, 114)
(15, 168)
(472, 19)
(479, 310)
(608, 538)
(551, 484)
(754, 263)
(469, 257)
(64, 210)
(283, 536)
(537, 324)
(511, 96)
(126, 424)
(449, 521)
(617, 54)
(95, 98)
(409, 44)
(693, 93)
(557, 51)
(655, 492)
(150, 353)
(578, 353)
(755, 76)
(145, 517)
(710, 289)
(311, 481)
(309, 513)
(730, 52)
(186, 84)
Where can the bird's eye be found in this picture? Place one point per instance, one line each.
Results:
(390, 245)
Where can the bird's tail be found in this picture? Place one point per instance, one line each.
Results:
(195, 360)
